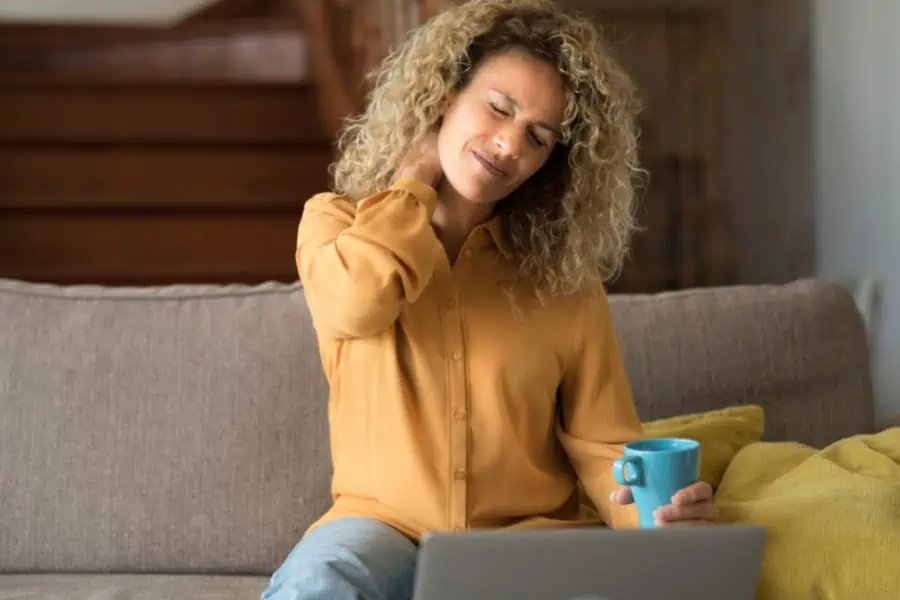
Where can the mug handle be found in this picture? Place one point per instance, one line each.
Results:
(627, 471)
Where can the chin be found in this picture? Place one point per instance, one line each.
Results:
(471, 190)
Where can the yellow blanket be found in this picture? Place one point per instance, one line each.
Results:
(832, 515)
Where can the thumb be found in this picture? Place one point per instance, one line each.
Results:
(622, 496)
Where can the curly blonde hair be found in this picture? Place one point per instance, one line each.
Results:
(568, 225)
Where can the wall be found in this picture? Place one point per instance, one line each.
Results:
(857, 161)
(98, 11)
(769, 126)
(768, 121)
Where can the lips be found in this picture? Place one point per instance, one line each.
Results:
(488, 165)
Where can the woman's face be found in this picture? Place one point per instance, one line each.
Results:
(500, 129)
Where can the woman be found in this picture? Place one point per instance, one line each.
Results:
(455, 280)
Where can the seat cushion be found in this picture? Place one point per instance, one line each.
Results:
(130, 587)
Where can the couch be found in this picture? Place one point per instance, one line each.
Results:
(170, 442)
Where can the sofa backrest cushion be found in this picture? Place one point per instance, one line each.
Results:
(799, 350)
(158, 430)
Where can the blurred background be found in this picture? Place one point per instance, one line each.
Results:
(175, 141)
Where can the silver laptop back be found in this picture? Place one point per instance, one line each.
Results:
(675, 563)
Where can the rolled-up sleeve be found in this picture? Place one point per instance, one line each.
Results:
(360, 263)
(597, 415)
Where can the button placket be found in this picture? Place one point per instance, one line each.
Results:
(456, 411)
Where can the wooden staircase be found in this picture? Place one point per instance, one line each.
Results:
(140, 155)
(132, 156)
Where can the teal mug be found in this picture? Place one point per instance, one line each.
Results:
(656, 468)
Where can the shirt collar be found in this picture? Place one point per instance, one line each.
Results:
(494, 227)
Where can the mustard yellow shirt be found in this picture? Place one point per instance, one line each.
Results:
(452, 404)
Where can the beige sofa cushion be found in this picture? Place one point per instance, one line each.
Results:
(180, 429)
(130, 587)
(798, 350)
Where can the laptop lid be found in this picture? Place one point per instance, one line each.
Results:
(681, 562)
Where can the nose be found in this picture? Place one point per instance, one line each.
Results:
(509, 141)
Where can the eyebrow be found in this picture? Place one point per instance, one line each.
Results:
(543, 124)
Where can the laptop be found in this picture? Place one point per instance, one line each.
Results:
(675, 563)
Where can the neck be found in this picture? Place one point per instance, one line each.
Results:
(455, 218)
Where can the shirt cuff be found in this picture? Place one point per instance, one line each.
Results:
(421, 191)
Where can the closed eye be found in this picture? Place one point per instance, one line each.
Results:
(499, 110)
(536, 139)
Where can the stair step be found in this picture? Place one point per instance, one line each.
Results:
(151, 178)
(265, 50)
(160, 114)
(157, 248)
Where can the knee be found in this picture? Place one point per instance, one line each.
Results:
(346, 559)
(325, 579)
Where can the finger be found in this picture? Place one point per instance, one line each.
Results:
(622, 496)
(694, 493)
(692, 522)
(672, 513)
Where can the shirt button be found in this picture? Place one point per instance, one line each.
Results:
(457, 355)
(468, 253)
(451, 303)
(459, 475)
(459, 415)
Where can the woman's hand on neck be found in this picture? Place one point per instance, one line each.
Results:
(455, 217)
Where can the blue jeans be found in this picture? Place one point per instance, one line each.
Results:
(354, 558)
